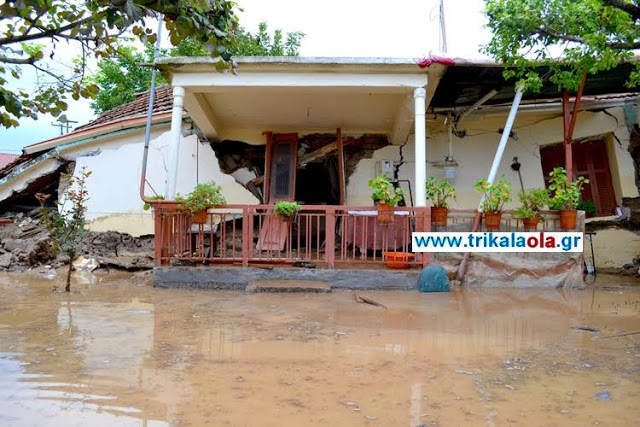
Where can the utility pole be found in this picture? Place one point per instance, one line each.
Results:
(443, 29)
(65, 126)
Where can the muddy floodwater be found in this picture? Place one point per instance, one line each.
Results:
(116, 351)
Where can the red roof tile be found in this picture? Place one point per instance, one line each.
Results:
(162, 103)
(6, 158)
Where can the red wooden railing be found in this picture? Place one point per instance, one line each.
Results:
(327, 236)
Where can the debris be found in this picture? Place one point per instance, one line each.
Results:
(348, 403)
(86, 264)
(565, 411)
(459, 371)
(370, 417)
(584, 328)
(510, 387)
(604, 395)
(624, 334)
(366, 300)
(303, 264)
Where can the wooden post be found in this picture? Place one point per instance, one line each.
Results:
(330, 238)
(267, 167)
(247, 238)
(158, 239)
(566, 121)
(569, 122)
(341, 171)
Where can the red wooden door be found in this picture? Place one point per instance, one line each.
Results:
(284, 163)
(590, 160)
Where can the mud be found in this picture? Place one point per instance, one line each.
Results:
(118, 351)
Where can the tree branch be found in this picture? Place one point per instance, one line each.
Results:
(578, 39)
(21, 61)
(630, 8)
(48, 33)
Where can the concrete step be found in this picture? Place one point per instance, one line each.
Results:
(288, 286)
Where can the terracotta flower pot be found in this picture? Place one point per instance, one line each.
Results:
(568, 219)
(385, 212)
(492, 220)
(199, 217)
(531, 223)
(439, 215)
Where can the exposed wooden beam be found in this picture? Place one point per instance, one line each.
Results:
(340, 148)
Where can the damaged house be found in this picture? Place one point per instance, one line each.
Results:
(316, 130)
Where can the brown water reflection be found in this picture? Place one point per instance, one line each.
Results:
(117, 351)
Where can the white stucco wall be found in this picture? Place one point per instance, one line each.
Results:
(116, 165)
(475, 153)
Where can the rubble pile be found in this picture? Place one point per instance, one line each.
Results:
(24, 244)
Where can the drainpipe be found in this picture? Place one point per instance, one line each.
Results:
(420, 136)
(152, 95)
(493, 171)
(174, 144)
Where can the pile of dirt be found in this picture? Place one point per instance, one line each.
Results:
(25, 244)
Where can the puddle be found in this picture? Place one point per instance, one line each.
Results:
(118, 352)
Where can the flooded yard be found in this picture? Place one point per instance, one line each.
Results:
(116, 351)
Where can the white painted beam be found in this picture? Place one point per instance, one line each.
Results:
(419, 96)
(202, 114)
(209, 80)
(403, 121)
(174, 143)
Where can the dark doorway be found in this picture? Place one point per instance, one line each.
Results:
(590, 160)
(318, 183)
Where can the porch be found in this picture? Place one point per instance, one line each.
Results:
(345, 245)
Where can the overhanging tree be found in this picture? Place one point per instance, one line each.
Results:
(94, 28)
(573, 38)
(121, 77)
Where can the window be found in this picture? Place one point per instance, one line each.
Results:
(590, 160)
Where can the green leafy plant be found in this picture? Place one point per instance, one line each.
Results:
(495, 195)
(147, 205)
(286, 209)
(66, 226)
(383, 191)
(566, 194)
(33, 30)
(588, 206)
(439, 192)
(201, 198)
(533, 202)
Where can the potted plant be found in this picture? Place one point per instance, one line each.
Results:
(202, 197)
(566, 195)
(588, 206)
(533, 202)
(439, 192)
(286, 210)
(147, 205)
(385, 196)
(495, 196)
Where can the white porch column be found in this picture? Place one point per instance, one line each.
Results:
(420, 136)
(174, 143)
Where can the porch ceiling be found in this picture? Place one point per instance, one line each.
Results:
(299, 109)
(299, 95)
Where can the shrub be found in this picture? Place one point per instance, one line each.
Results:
(566, 194)
(286, 209)
(495, 195)
(439, 192)
(202, 197)
(383, 191)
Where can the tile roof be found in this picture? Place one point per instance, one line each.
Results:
(6, 158)
(162, 103)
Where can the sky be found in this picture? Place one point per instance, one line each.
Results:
(359, 28)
